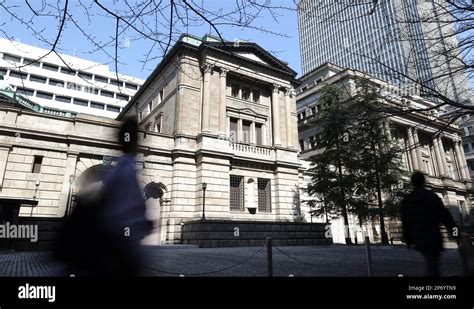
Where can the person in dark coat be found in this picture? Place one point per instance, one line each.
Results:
(122, 218)
(102, 236)
(422, 213)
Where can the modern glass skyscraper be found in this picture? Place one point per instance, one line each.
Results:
(380, 38)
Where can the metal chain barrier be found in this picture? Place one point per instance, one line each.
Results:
(303, 262)
(209, 272)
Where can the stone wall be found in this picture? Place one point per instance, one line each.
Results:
(208, 234)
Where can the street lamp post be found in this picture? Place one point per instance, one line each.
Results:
(204, 187)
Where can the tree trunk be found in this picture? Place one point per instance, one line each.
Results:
(379, 194)
(343, 198)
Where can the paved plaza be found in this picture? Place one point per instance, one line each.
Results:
(309, 261)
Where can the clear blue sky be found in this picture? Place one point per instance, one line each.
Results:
(133, 51)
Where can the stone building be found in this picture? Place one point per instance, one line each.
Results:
(216, 113)
(439, 156)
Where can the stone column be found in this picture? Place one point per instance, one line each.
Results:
(276, 115)
(443, 155)
(460, 163)
(253, 139)
(289, 131)
(240, 133)
(467, 172)
(414, 159)
(439, 161)
(179, 101)
(222, 101)
(4, 152)
(418, 150)
(206, 98)
(70, 170)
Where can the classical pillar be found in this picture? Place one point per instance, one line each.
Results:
(179, 122)
(206, 98)
(70, 170)
(289, 131)
(240, 134)
(467, 172)
(443, 155)
(439, 161)
(460, 163)
(222, 101)
(418, 150)
(276, 116)
(4, 152)
(253, 139)
(411, 145)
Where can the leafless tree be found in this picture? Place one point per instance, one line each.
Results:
(158, 22)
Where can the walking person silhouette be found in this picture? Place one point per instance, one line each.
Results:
(422, 213)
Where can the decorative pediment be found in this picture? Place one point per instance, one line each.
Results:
(250, 52)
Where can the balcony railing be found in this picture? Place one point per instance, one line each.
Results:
(252, 151)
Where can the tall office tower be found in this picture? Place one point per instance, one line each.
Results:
(404, 42)
(65, 82)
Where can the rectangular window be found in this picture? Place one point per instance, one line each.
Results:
(37, 79)
(106, 93)
(114, 109)
(258, 134)
(97, 105)
(150, 106)
(63, 99)
(21, 75)
(234, 90)
(246, 93)
(158, 124)
(246, 126)
(11, 58)
(101, 79)
(233, 130)
(25, 91)
(85, 75)
(80, 102)
(264, 195)
(302, 145)
(236, 193)
(31, 62)
(122, 97)
(466, 148)
(256, 96)
(68, 71)
(73, 86)
(55, 82)
(160, 96)
(3, 71)
(116, 83)
(131, 86)
(37, 164)
(50, 67)
(44, 95)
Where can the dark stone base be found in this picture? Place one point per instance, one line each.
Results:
(48, 231)
(211, 234)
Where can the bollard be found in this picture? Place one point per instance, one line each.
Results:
(269, 257)
(369, 256)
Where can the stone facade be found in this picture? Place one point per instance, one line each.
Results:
(432, 145)
(208, 112)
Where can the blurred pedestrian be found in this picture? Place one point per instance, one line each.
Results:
(422, 213)
(102, 236)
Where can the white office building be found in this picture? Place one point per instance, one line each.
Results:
(65, 82)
